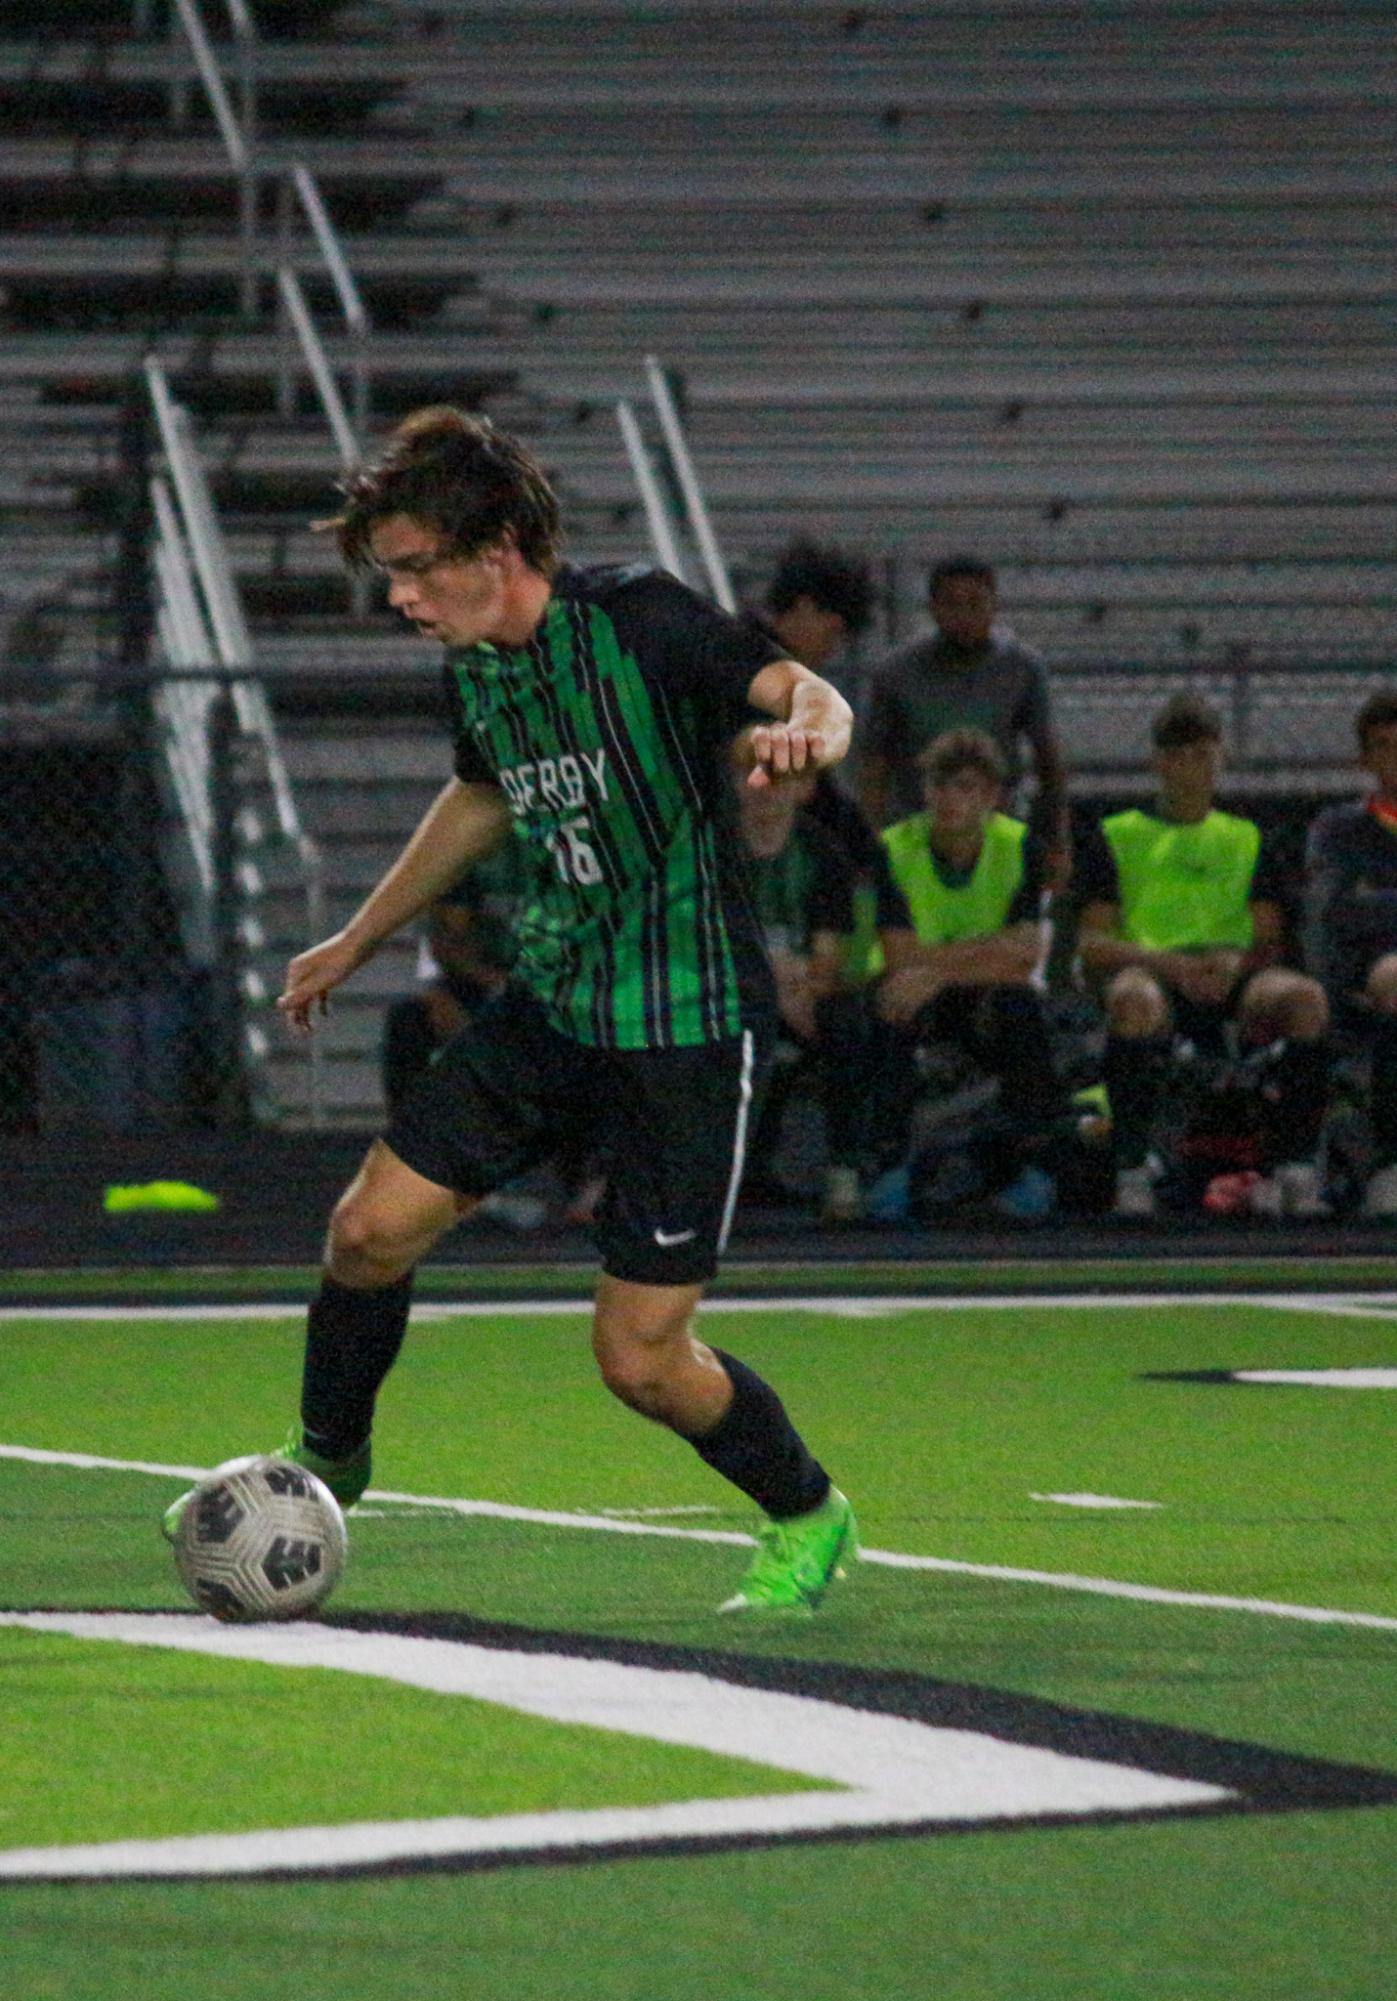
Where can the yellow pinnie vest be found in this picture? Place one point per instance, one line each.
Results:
(941, 913)
(1184, 886)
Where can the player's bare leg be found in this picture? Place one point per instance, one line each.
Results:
(387, 1218)
(651, 1358)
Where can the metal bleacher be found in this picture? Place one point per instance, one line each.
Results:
(1106, 294)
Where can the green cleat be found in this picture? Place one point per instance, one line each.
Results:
(796, 1559)
(346, 1478)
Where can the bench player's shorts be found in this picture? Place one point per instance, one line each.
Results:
(669, 1127)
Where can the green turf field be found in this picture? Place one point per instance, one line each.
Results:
(1161, 1763)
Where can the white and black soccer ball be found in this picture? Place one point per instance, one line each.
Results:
(260, 1538)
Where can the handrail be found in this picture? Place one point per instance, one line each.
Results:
(688, 484)
(318, 362)
(206, 63)
(239, 138)
(301, 184)
(211, 562)
(241, 17)
(662, 536)
(298, 185)
(180, 598)
(232, 644)
(317, 215)
(184, 706)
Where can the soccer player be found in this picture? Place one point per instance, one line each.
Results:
(971, 673)
(598, 713)
(1182, 930)
(804, 890)
(1351, 918)
(975, 885)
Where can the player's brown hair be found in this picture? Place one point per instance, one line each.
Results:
(1378, 712)
(1185, 718)
(457, 474)
(954, 751)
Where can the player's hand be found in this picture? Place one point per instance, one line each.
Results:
(1206, 978)
(903, 995)
(781, 750)
(1059, 866)
(312, 978)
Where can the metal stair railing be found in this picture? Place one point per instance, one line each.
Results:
(238, 130)
(202, 624)
(662, 536)
(181, 705)
(239, 133)
(298, 187)
(687, 506)
(662, 396)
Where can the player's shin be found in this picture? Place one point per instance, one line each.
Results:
(352, 1341)
(755, 1445)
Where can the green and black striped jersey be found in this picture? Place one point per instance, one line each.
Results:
(608, 734)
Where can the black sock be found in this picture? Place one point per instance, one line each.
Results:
(755, 1445)
(1135, 1071)
(1295, 1113)
(352, 1341)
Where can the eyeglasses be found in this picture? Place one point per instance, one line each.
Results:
(417, 565)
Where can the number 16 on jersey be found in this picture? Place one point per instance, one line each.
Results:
(574, 854)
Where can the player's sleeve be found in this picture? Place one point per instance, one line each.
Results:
(1270, 882)
(1034, 719)
(467, 762)
(883, 726)
(831, 904)
(689, 646)
(1337, 912)
(1095, 878)
(1031, 897)
(1327, 947)
(892, 910)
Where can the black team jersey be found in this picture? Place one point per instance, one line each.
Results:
(608, 733)
(1350, 893)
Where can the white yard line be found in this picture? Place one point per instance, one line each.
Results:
(1104, 1587)
(1321, 1379)
(1355, 1306)
(95, 1462)
(1376, 1304)
(879, 1770)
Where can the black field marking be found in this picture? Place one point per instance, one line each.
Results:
(1226, 1376)
(1257, 1779)
(1270, 1781)
(1261, 1780)
(1234, 1379)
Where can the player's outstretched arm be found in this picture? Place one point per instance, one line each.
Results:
(463, 824)
(811, 730)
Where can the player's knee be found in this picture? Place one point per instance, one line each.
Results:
(637, 1364)
(1135, 1004)
(634, 1376)
(1381, 984)
(1308, 1006)
(1280, 1002)
(367, 1239)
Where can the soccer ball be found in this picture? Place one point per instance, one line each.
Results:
(261, 1538)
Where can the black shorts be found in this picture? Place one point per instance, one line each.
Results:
(670, 1127)
(1204, 1023)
